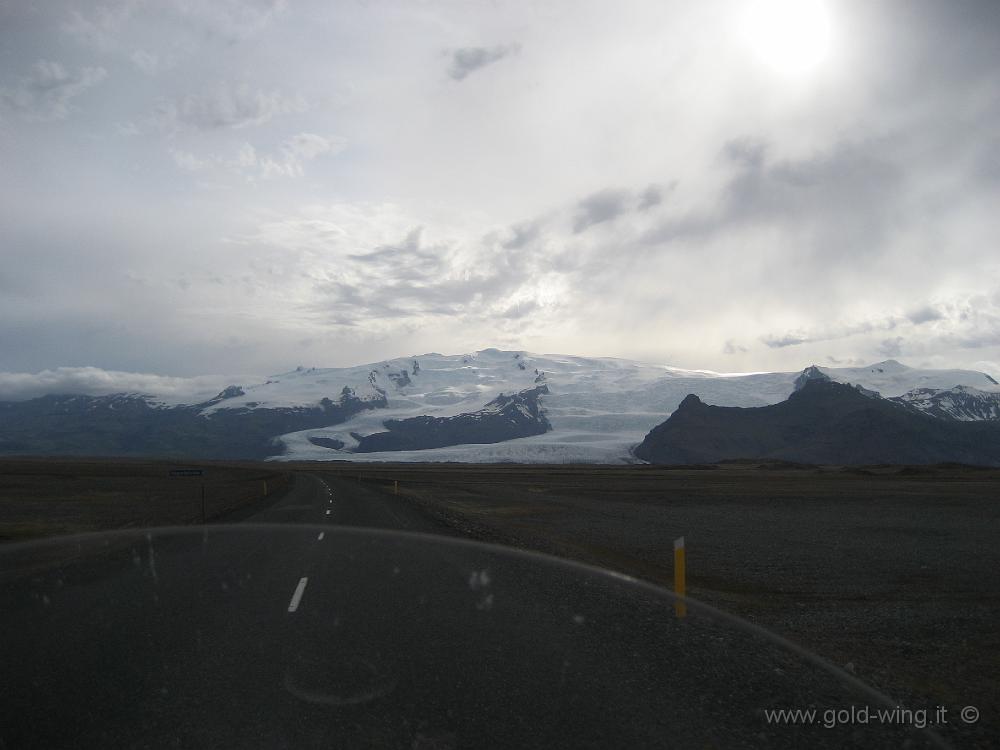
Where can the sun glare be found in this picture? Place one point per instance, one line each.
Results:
(790, 36)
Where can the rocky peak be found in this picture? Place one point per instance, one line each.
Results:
(232, 391)
(810, 373)
(690, 402)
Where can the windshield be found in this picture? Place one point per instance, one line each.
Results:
(312, 636)
(704, 295)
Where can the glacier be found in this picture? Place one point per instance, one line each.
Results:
(599, 408)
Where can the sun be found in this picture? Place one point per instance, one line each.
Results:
(790, 36)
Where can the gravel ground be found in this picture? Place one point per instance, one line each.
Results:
(42, 497)
(889, 571)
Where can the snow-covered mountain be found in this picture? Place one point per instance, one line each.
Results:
(964, 403)
(891, 378)
(485, 406)
(598, 408)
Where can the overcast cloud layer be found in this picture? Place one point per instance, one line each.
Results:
(255, 186)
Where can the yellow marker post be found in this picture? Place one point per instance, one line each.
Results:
(680, 584)
(265, 488)
(395, 487)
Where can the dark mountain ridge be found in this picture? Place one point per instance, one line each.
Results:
(823, 422)
(132, 425)
(504, 418)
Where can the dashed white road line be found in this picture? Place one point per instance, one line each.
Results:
(328, 511)
(297, 596)
(320, 537)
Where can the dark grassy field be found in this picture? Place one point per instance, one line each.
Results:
(891, 571)
(47, 496)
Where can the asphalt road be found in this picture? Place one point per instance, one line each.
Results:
(313, 623)
(357, 504)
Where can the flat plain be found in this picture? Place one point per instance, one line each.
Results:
(887, 571)
(41, 497)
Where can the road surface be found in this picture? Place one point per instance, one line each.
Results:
(358, 504)
(313, 623)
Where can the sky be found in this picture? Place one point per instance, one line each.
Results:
(191, 188)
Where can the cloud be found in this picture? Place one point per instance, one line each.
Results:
(824, 203)
(522, 234)
(976, 339)
(518, 310)
(789, 339)
(650, 197)
(310, 145)
(127, 129)
(974, 322)
(293, 154)
(114, 26)
(829, 333)
(148, 62)
(233, 20)
(93, 381)
(228, 107)
(888, 347)
(731, 347)
(849, 362)
(288, 161)
(925, 314)
(597, 208)
(963, 324)
(187, 161)
(360, 281)
(101, 26)
(842, 197)
(48, 91)
(892, 347)
(403, 261)
(468, 60)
